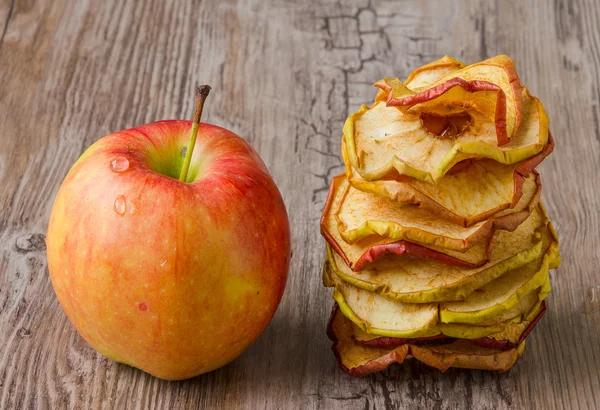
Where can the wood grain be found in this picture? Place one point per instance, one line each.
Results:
(285, 75)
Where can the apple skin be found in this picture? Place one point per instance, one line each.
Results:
(185, 276)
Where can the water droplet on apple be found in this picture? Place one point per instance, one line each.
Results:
(119, 164)
(120, 205)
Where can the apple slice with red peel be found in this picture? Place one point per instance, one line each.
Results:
(385, 342)
(358, 360)
(360, 256)
(505, 292)
(427, 74)
(491, 88)
(422, 77)
(513, 335)
(383, 142)
(418, 280)
(510, 338)
(352, 219)
(377, 315)
(509, 299)
(360, 214)
(496, 186)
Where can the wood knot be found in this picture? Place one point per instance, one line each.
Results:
(31, 243)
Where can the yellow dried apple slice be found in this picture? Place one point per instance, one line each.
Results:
(525, 309)
(377, 315)
(360, 255)
(357, 360)
(514, 334)
(491, 88)
(470, 331)
(507, 339)
(426, 75)
(417, 280)
(361, 214)
(515, 313)
(383, 142)
(472, 191)
(505, 292)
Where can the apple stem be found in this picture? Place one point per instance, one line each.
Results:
(201, 94)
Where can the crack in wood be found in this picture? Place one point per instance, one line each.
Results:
(8, 17)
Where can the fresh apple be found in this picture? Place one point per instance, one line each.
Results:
(175, 277)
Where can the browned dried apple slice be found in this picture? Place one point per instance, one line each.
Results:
(463, 354)
(361, 214)
(417, 280)
(362, 227)
(472, 191)
(490, 88)
(483, 113)
(357, 360)
(427, 74)
(507, 291)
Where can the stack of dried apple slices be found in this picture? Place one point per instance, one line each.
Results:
(438, 246)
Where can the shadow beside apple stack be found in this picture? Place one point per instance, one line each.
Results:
(438, 246)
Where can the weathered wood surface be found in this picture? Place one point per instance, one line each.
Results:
(284, 75)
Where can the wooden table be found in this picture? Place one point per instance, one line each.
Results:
(285, 75)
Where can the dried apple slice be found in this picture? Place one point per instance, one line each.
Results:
(386, 342)
(463, 354)
(361, 214)
(514, 314)
(354, 359)
(507, 339)
(370, 226)
(383, 142)
(505, 292)
(427, 74)
(513, 335)
(470, 331)
(415, 280)
(491, 88)
(471, 192)
(357, 360)
(377, 315)
(360, 255)
(421, 78)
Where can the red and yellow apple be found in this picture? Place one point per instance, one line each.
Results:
(175, 278)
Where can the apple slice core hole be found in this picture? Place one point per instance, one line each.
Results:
(445, 127)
